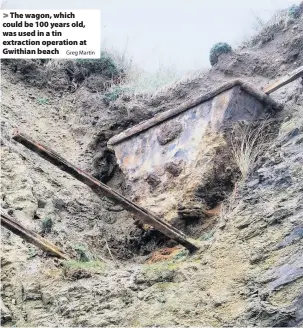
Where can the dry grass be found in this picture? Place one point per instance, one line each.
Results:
(137, 81)
(248, 142)
(133, 81)
(280, 18)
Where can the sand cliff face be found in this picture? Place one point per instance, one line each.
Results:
(249, 268)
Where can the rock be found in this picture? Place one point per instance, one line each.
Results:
(41, 203)
(264, 174)
(47, 299)
(6, 315)
(191, 210)
(77, 273)
(173, 168)
(169, 132)
(279, 215)
(140, 295)
(253, 183)
(31, 291)
(256, 258)
(291, 134)
(155, 274)
(59, 203)
(153, 180)
(295, 235)
(242, 222)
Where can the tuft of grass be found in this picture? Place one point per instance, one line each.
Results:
(182, 255)
(32, 252)
(207, 235)
(42, 101)
(136, 81)
(105, 65)
(90, 265)
(280, 20)
(139, 81)
(160, 266)
(83, 253)
(113, 94)
(248, 143)
(294, 11)
(46, 225)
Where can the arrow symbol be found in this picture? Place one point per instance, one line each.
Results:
(5, 15)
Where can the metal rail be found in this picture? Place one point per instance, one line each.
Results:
(104, 190)
(273, 86)
(32, 237)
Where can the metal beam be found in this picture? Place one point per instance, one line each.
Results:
(104, 190)
(273, 86)
(32, 237)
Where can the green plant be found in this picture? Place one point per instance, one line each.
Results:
(294, 11)
(181, 255)
(207, 235)
(42, 101)
(113, 94)
(93, 265)
(46, 225)
(32, 252)
(217, 50)
(82, 252)
(105, 65)
(160, 266)
(43, 61)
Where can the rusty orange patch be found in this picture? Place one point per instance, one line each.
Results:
(163, 255)
(214, 211)
(130, 160)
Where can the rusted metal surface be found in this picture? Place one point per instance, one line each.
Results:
(9, 223)
(102, 189)
(141, 153)
(162, 117)
(166, 158)
(273, 86)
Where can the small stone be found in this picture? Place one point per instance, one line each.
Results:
(153, 180)
(5, 313)
(59, 203)
(47, 299)
(253, 183)
(217, 303)
(4, 205)
(222, 224)
(140, 295)
(41, 203)
(255, 258)
(169, 132)
(242, 223)
(191, 210)
(10, 212)
(173, 168)
(299, 140)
